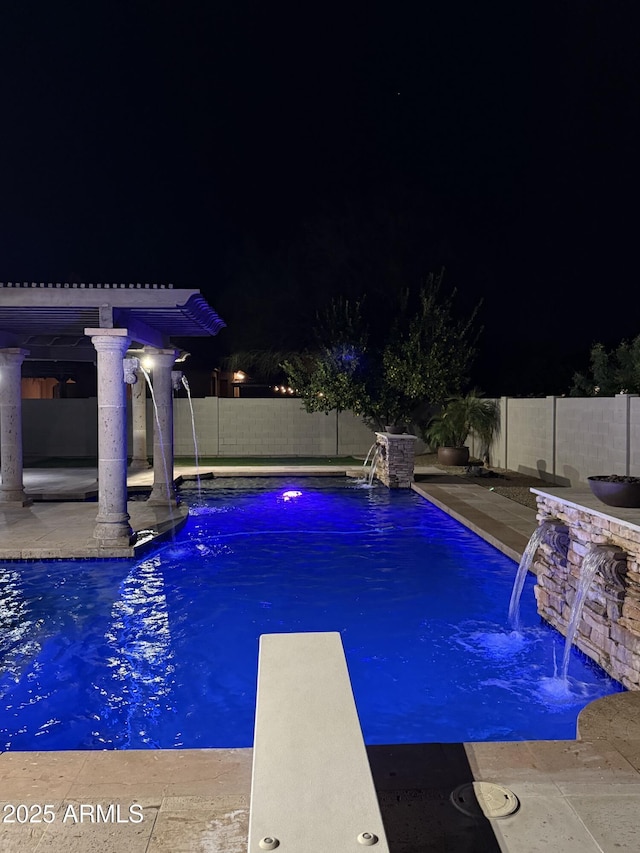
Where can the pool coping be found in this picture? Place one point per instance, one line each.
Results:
(580, 795)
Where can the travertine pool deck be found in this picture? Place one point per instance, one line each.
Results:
(577, 796)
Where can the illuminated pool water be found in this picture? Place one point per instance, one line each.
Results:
(162, 652)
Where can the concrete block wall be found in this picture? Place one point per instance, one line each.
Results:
(206, 413)
(353, 435)
(254, 427)
(591, 437)
(224, 427)
(562, 440)
(61, 427)
(634, 436)
(274, 428)
(498, 448)
(530, 436)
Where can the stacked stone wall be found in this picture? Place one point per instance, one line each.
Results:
(395, 459)
(609, 630)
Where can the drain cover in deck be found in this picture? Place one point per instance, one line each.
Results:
(485, 799)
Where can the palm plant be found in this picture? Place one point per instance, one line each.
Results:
(464, 416)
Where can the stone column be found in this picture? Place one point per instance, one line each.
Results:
(112, 522)
(163, 492)
(12, 489)
(395, 459)
(139, 459)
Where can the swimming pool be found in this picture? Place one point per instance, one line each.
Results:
(162, 651)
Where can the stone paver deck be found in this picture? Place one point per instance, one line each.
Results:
(577, 796)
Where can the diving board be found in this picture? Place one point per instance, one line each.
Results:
(311, 786)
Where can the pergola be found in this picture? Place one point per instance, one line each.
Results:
(100, 323)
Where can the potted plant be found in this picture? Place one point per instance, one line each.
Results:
(461, 417)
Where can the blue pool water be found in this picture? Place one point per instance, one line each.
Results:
(162, 652)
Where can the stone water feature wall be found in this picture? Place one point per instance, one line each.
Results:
(609, 631)
(395, 459)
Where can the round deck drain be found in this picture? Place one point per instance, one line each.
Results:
(485, 799)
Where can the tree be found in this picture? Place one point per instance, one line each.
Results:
(422, 359)
(429, 351)
(610, 373)
(333, 376)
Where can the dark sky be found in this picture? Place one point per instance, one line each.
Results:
(164, 141)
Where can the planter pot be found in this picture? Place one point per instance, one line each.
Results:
(620, 491)
(453, 455)
(395, 429)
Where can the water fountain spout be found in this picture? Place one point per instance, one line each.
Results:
(551, 530)
(187, 388)
(176, 379)
(371, 449)
(367, 472)
(130, 367)
(603, 557)
(374, 464)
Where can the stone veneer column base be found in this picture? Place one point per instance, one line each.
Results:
(395, 459)
(162, 496)
(7, 499)
(139, 465)
(116, 532)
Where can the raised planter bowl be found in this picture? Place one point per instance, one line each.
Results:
(453, 455)
(614, 490)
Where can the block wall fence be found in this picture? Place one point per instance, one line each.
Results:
(224, 427)
(562, 440)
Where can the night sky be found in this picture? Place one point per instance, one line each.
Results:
(258, 151)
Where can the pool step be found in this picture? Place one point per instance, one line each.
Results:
(311, 787)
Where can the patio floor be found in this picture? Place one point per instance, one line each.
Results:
(577, 796)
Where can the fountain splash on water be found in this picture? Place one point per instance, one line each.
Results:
(593, 560)
(193, 431)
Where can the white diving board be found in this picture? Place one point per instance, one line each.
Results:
(311, 787)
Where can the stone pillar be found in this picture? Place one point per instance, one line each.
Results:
(112, 522)
(163, 492)
(395, 459)
(12, 489)
(139, 459)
